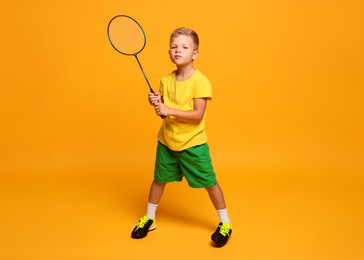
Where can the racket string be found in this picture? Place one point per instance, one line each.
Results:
(126, 35)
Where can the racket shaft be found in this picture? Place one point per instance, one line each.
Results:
(145, 76)
(146, 79)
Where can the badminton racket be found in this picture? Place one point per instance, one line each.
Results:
(127, 37)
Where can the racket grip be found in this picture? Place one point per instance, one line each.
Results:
(151, 90)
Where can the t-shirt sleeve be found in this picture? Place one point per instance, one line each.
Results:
(203, 89)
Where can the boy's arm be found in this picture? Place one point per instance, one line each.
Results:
(196, 114)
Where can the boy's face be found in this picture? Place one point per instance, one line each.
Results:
(182, 50)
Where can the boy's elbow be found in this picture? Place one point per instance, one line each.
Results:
(199, 117)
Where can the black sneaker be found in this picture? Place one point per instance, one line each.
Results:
(144, 225)
(222, 234)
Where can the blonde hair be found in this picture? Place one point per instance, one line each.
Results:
(187, 32)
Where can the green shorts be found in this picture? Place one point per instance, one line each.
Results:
(193, 163)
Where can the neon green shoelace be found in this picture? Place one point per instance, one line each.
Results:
(143, 221)
(225, 229)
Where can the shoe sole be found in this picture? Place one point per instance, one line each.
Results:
(152, 228)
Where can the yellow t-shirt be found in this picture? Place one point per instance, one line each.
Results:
(178, 134)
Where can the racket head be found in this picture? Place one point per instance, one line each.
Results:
(126, 35)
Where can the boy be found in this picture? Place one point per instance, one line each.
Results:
(182, 142)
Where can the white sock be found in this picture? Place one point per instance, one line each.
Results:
(223, 215)
(151, 209)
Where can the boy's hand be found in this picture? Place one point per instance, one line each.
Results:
(161, 109)
(154, 98)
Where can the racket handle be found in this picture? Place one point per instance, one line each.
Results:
(151, 90)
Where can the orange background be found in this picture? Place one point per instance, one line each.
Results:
(285, 130)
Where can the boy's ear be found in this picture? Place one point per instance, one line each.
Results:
(195, 54)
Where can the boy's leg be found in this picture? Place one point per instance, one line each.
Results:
(156, 192)
(224, 229)
(216, 196)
